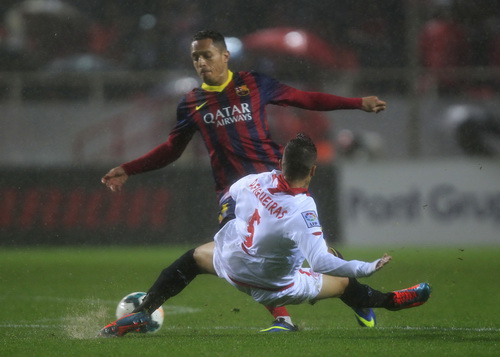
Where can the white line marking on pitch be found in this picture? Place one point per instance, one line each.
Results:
(399, 328)
(174, 310)
(435, 328)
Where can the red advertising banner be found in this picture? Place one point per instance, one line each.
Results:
(174, 205)
(72, 207)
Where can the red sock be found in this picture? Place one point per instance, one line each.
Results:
(278, 311)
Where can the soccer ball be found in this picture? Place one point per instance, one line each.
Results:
(130, 302)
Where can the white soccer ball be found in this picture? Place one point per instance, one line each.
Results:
(130, 302)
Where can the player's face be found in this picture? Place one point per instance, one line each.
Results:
(210, 62)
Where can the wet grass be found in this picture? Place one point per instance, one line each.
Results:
(56, 299)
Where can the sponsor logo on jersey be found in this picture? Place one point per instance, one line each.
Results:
(229, 115)
(311, 219)
(242, 90)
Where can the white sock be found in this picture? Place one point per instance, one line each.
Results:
(287, 319)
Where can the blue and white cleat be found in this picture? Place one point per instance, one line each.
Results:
(411, 297)
(280, 325)
(131, 322)
(365, 317)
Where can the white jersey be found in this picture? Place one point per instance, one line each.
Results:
(276, 228)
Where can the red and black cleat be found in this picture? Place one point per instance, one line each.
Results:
(411, 297)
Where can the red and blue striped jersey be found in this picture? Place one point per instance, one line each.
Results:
(232, 121)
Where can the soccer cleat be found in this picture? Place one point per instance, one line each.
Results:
(365, 317)
(280, 325)
(411, 297)
(131, 322)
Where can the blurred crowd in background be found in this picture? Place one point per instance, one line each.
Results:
(58, 36)
(152, 34)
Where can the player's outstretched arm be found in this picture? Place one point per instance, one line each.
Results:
(373, 104)
(115, 179)
(383, 261)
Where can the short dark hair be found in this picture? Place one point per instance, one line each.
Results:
(299, 156)
(216, 37)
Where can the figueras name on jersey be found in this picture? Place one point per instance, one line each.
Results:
(229, 115)
(266, 200)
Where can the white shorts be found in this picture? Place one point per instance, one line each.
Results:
(305, 286)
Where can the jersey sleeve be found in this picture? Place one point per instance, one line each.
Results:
(311, 243)
(315, 100)
(167, 152)
(282, 94)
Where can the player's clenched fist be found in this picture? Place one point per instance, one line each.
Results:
(373, 104)
(115, 179)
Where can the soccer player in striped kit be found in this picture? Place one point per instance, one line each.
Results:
(261, 252)
(228, 110)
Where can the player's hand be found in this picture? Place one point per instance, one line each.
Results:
(373, 104)
(115, 179)
(383, 261)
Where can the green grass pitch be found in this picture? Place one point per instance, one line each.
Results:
(54, 301)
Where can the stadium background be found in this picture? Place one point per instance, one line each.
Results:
(85, 86)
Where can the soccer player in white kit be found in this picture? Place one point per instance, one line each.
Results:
(276, 228)
(261, 252)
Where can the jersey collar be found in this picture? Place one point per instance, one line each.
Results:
(284, 187)
(218, 88)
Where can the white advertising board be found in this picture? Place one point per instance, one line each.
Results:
(452, 201)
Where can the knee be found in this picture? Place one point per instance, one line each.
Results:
(333, 286)
(199, 255)
(344, 283)
(203, 256)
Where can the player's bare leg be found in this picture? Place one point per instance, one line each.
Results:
(204, 258)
